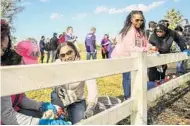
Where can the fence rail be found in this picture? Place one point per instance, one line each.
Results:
(18, 79)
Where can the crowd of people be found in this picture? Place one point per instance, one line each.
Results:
(70, 98)
(51, 45)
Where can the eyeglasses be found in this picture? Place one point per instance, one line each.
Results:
(139, 20)
(67, 53)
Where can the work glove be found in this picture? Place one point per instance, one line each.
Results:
(89, 111)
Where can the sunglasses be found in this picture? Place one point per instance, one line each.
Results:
(139, 20)
(67, 53)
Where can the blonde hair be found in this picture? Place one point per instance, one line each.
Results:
(93, 29)
(68, 28)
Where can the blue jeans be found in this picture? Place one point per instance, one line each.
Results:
(53, 54)
(91, 54)
(33, 113)
(75, 110)
(127, 84)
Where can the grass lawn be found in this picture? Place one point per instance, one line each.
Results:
(110, 86)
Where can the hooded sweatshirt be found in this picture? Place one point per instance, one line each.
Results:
(134, 41)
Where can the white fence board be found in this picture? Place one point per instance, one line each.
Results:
(17, 79)
(161, 90)
(165, 59)
(112, 115)
(33, 77)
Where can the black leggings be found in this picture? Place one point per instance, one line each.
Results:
(42, 56)
(105, 55)
(154, 75)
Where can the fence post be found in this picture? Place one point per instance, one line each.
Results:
(139, 91)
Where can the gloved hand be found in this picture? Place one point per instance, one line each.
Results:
(187, 52)
(53, 122)
(48, 106)
(89, 111)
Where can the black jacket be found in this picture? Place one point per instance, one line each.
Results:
(42, 45)
(54, 43)
(164, 44)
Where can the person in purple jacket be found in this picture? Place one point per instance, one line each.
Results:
(70, 38)
(90, 44)
(105, 43)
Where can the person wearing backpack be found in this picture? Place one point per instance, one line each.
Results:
(70, 38)
(61, 38)
(90, 44)
(54, 45)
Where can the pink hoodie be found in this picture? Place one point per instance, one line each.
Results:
(132, 42)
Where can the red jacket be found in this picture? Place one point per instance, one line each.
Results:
(61, 39)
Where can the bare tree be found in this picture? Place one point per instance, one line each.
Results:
(9, 9)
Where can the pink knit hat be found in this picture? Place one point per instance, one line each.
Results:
(29, 51)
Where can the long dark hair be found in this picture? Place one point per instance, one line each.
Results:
(5, 31)
(70, 44)
(128, 23)
(9, 55)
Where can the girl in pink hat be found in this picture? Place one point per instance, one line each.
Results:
(18, 109)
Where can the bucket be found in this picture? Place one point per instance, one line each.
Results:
(106, 102)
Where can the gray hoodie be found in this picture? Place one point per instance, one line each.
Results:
(74, 92)
(11, 117)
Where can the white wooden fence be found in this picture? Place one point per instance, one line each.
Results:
(17, 79)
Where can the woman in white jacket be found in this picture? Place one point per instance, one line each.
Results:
(71, 96)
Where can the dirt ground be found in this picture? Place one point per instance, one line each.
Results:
(171, 109)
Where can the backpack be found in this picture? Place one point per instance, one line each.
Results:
(61, 39)
(48, 46)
